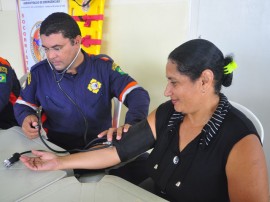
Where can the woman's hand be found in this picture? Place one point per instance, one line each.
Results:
(110, 132)
(42, 161)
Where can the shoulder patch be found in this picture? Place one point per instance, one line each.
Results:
(3, 69)
(116, 67)
(29, 79)
(3, 78)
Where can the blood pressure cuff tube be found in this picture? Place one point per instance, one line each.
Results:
(137, 140)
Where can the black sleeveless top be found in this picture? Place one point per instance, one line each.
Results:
(198, 172)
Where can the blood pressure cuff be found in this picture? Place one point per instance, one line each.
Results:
(137, 140)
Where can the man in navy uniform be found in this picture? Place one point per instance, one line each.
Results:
(74, 89)
(9, 91)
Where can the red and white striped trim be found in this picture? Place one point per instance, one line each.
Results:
(21, 101)
(132, 85)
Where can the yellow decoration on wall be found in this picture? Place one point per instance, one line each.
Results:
(90, 20)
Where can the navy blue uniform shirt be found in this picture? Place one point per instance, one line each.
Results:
(80, 101)
(9, 91)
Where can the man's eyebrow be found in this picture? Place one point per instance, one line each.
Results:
(52, 46)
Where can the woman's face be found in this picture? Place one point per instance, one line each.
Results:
(184, 93)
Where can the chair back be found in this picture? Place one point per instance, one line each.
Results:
(117, 105)
(252, 117)
(23, 79)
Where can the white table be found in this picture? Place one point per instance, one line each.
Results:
(18, 182)
(109, 188)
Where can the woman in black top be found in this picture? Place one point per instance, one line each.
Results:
(204, 148)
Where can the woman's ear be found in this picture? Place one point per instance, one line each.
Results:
(207, 78)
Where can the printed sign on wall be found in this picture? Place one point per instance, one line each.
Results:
(30, 15)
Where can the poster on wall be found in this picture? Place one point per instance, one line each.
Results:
(30, 15)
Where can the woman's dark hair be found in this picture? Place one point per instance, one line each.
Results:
(197, 55)
(60, 22)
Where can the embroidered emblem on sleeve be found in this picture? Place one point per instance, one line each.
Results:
(3, 78)
(94, 86)
(3, 69)
(116, 67)
(29, 79)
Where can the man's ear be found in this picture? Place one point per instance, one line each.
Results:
(76, 40)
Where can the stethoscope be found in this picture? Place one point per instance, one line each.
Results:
(65, 70)
(90, 146)
(58, 81)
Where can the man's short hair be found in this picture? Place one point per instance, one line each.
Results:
(60, 22)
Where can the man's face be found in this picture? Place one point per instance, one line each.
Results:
(60, 51)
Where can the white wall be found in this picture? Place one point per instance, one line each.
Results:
(241, 27)
(140, 34)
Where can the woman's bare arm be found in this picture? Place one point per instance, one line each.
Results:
(96, 159)
(247, 172)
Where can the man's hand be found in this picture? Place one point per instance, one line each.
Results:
(111, 131)
(29, 126)
(42, 161)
